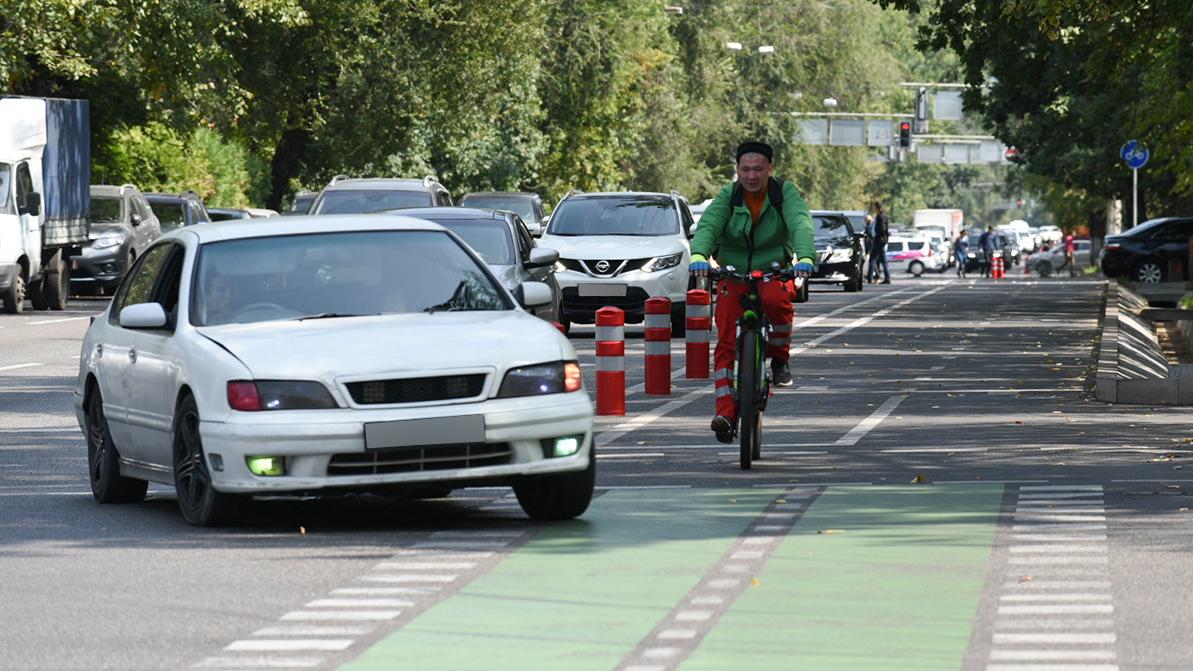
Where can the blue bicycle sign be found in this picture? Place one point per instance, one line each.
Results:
(1135, 154)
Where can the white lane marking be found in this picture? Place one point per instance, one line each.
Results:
(612, 487)
(58, 321)
(629, 456)
(936, 368)
(462, 544)
(383, 591)
(1031, 623)
(861, 322)
(424, 566)
(619, 431)
(1020, 561)
(341, 615)
(1057, 609)
(1054, 517)
(935, 450)
(747, 554)
(1057, 584)
(20, 365)
(1051, 655)
(1088, 507)
(271, 662)
(866, 425)
(410, 578)
(1047, 666)
(1062, 488)
(1050, 598)
(1059, 496)
(645, 667)
(1058, 549)
(289, 645)
(64, 429)
(723, 583)
(359, 603)
(315, 630)
(707, 600)
(492, 533)
(1059, 538)
(1048, 526)
(1052, 503)
(1108, 637)
(677, 634)
(707, 446)
(694, 615)
(660, 653)
(808, 323)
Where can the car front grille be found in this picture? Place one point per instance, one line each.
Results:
(615, 267)
(421, 458)
(416, 389)
(632, 302)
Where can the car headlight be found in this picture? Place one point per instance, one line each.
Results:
(106, 240)
(256, 395)
(662, 263)
(838, 255)
(546, 378)
(559, 267)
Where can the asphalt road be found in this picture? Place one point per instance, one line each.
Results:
(938, 490)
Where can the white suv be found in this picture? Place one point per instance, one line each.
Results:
(618, 249)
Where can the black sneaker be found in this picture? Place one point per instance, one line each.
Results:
(780, 374)
(723, 428)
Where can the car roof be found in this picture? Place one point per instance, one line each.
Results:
(108, 189)
(219, 231)
(830, 212)
(619, 194)
(179, 197)
(377, 184)
(455, 213)
(527, 194)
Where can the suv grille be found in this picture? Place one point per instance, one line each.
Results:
(422, 458)
(615, 267)
(416, 389)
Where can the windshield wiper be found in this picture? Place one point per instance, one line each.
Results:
(334, 315)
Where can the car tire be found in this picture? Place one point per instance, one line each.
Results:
(679, 320)
(201, 505)
(801, 295)
(103, 458)
(916, 268)
(55, 283)
(558, 497)
(33, 291)
(1149, 271)
(854, 283)
(14, 295)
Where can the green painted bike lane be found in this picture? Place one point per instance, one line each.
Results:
(896, 585)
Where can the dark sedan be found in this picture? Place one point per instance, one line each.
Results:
(840, 256)
(1154, 251)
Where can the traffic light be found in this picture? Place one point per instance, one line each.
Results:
(905, 134)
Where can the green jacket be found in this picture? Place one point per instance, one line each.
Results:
(725, 231)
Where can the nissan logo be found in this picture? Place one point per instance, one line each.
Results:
(602, 266)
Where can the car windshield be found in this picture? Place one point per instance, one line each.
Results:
(522, 206)
(337, 275)
(830, 227)
(170, 214)
(356, 201)
(105, 210)
(488, 237)
(615, 215)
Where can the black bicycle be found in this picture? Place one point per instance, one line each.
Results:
(751, 382)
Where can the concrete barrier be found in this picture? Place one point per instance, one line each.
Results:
(1132, 367)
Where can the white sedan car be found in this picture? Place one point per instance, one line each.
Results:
(302, 354)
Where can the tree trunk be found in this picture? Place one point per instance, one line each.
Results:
(286, 159)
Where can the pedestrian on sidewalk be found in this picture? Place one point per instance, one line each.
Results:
(961, 251)
(882, 233)
(1071, 253)
(986, 247)
(868, 243)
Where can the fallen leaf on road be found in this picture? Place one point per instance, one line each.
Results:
(1173, 486)
(1026, 578)
(831, 531)
(918, 479)
(733, 500)
(755, 582)
(644, 442)
(1183, 509)
(780, 500)
(302, 530)
(1019, 422)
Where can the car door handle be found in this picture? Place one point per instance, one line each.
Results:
(99, 350)
(132, 355)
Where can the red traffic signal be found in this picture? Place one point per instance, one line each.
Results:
(905, 134)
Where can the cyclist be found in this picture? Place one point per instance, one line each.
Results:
(751, 224)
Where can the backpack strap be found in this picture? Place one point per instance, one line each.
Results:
(739, 195)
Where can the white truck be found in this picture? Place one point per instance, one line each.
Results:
(945, 224)
(45, 202)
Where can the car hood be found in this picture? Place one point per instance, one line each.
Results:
(823, 241)
(613, 246)
(507, 275)
(98, 229)
(328, 349)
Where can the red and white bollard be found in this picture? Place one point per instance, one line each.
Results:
(610, 361)
(698, 325)
(998, 272)
(658, 346)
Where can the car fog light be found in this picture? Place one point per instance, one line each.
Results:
(266, 465)
(567, 446)
(217, 461)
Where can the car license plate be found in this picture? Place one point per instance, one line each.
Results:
(413, 432)
(602, 290)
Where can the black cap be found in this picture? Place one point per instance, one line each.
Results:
(752, 147)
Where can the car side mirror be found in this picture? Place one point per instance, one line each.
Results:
(692, 230)
(541, 256)
(143, 316)
(32, 204)
(534, 294)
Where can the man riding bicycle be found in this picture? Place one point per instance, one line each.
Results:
(750, 225)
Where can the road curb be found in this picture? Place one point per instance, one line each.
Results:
(1132, 368)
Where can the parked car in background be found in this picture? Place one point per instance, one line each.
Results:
(228, 213)
(301, 203)
(698, 209)
(177, 210)
(122, 226)
(503, 241)
(528, 206)
(839, 248)
(1144, 253)
(974, 259)
(914, 254)
(1051, 234)
(620, 249)
(300, 355)
(1051, 261)
(344, 195)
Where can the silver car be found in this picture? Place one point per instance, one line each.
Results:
(503, 241)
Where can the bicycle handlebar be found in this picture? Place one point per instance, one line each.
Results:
(730, 273)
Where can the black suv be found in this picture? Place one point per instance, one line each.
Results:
(344, 195)
(840, 255)
(1145, 253)
(175, 210)
(122, 226)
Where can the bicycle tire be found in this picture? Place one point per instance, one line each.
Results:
(747, 394)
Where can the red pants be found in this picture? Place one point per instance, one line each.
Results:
(776, 303)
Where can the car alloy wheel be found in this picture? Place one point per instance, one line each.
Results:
(103, 460)
(1149, 272)
(199, 502)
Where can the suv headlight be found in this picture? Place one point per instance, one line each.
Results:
(106, 240)
(259, 395)
(545, 378)
(838, 255)
(662, 263)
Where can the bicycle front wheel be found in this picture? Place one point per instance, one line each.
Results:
(749, 367)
